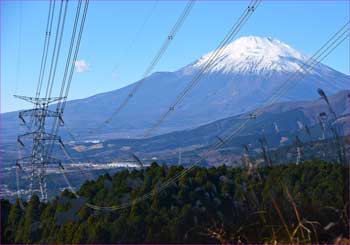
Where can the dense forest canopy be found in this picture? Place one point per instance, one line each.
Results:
(305, 203)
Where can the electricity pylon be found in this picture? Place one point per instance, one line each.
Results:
(299, 150)
(43, 142)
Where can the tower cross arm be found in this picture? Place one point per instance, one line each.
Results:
(37, 100)
(37, 112)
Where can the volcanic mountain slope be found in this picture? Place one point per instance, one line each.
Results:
(279, 124)
(247, 72)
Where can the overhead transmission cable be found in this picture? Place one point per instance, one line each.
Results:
(75, 54)
(155, 60)
(332, 43)
(320, 55)
(68, 60)
(235, 28)
(68, 73)
(44, 112)
(65, 84)
(68, 64)
(137, 34)
(233, 31)
(48, 29)
(180, 21)
(42, 171)
(131, 44)
(46, 46)
(325, 50)
(69, 70)
(57, 50)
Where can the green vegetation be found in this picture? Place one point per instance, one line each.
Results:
(303, 203)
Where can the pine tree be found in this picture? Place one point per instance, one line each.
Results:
(5, 228)
(32, 221)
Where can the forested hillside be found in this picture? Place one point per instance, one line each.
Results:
(305, 203)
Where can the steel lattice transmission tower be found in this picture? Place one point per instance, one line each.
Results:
(39, 158)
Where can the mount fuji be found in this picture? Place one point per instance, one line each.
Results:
(245, 74)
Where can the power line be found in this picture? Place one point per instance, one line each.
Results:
(332, 43)
(233, 31)
(56, 52)
(43, 142)
(69, 63)
(229, 36)
(75, 53)
(170, 37)
(65, 90)
(235, 28)
(195, 80)
(324, 51)
(159, 54)
(321, 54)
(46, 46)
(49, 23)
(37, 159)
(136, 36)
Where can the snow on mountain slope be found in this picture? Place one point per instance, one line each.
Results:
(259, 55)
(245, 75)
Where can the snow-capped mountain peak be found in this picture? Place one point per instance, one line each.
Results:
(258, 55)
(248, 72)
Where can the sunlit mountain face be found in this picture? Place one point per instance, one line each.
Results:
(246, 73)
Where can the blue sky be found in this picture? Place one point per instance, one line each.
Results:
(115, 26)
